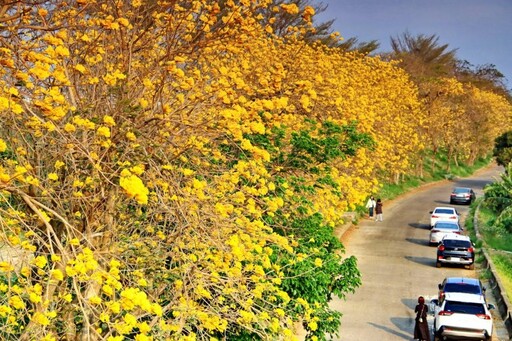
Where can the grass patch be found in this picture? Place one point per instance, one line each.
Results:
(497, 241)
(486, 274)
(503, 264)
(500, 242)
(493, 238)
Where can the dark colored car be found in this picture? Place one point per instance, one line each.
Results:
(456, 249)
(463, 285)
(462, 195)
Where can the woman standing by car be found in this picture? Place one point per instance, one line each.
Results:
(421, 331)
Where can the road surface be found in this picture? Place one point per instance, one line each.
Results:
(398, 265)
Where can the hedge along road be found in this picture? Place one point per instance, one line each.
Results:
(397, 264)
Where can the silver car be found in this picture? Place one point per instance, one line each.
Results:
(443, 228)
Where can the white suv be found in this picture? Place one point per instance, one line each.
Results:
(460, 315)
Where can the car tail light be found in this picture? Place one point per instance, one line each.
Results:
(445, 313)
(483, 316)
(471, 249)
(434, 231)
(458, 232)
(453, 217)
(435, 216)
(440, 247)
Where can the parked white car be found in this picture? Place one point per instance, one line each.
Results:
(443, 213)
(443, 228)
(462, 316)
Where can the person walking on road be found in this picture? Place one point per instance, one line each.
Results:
(378, 210)
(421, 331)
(370, 205)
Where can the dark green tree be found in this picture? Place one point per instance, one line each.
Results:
(498, 197)
(503, 149)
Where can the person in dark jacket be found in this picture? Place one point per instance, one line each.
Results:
(421, 331)
(378, 210)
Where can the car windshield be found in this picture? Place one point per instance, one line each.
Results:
(464, 307)
(443, 211)
(456, 243)
(462, 287)
(447, 226)
(461, 190)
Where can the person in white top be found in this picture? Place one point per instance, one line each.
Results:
(370, 205)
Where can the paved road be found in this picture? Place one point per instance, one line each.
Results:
(398, 265)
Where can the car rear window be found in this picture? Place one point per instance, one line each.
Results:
(464, 307)
(462, 287)
(447, 226)
(461, 190)
(443, 211)
(456, 243)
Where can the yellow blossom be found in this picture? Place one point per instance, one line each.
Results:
(3, 146)
(16, 302)
(103, 131)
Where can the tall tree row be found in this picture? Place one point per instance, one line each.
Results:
(463, 104)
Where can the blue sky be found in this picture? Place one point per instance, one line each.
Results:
(480, 30)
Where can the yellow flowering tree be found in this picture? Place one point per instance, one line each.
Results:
(134, 174)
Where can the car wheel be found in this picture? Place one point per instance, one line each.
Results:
(438, 264)
(436, 337)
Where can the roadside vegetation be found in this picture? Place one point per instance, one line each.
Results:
(497, 243)
(494, 227)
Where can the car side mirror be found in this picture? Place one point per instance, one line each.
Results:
(484, 288)
(491, 306)
(433, 304)
(440, 286)
(431, 212)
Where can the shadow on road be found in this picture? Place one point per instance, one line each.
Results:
(422, 260)
(396, 335)
(418, 241)
(420, 226)
(410, 303)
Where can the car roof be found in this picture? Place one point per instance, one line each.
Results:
(465, 280)
(463, 297)
(456, 236)
(466, 188)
